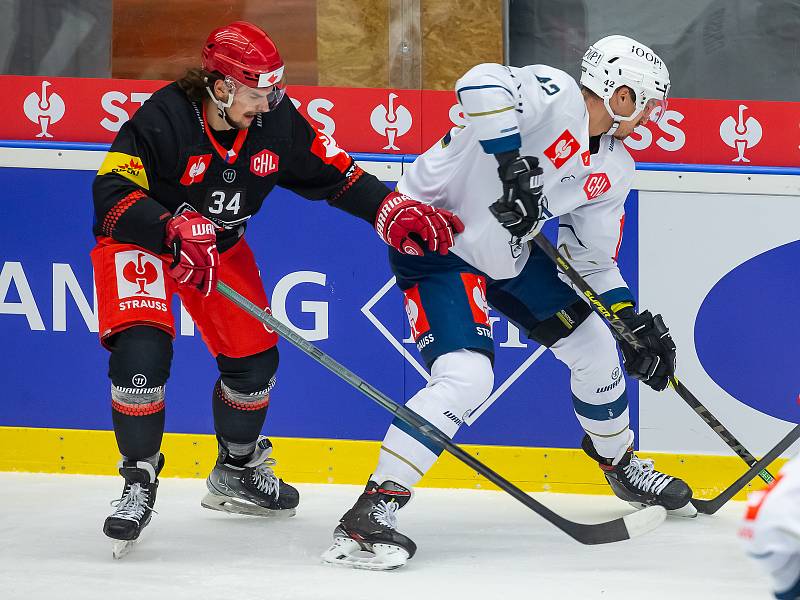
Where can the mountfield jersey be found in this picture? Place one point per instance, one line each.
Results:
(165, 160)
(541, 112)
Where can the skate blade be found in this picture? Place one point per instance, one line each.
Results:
(122, 548)
(687, 511)
(644, 520)
(236, 506)
(346, 552)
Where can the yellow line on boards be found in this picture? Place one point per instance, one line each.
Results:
(312, 460)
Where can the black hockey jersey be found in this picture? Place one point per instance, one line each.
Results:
(165, 160)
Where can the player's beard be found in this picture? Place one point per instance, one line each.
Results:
(242, 122)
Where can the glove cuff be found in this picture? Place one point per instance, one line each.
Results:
(624, 310)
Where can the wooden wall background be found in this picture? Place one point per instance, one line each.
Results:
(323, 42)
(160, 39)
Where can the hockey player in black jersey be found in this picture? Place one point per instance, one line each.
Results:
(172, 201)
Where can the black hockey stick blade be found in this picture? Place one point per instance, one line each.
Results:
(622, 332)
(709, 507)
(623, 528)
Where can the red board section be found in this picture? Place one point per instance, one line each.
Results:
(407, 121)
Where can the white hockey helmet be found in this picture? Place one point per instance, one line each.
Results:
(617, 60)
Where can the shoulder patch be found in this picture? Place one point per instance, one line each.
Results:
(324, 147)
(129, 167)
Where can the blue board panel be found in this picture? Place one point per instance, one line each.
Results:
(751, 314)
(59, 379)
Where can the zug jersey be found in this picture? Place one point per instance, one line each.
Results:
(165, 160)
(771, 530)
(541, 112)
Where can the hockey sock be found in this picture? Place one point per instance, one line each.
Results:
(459, 381)
(138, 421)
(139, 367)
(238, 419)
(597, 383)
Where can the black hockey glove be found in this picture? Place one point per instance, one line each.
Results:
(654, 364)
(519, 210)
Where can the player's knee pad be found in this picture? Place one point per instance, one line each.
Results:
(597, 383)
(560, 325)
(139, 365)
(250, 374)
(590, 352)
(459, 382)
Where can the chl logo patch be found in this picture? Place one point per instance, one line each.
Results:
(139, 275)
(561, 150)
(475, 286)
(417, 318)
(264, 163)
(196, 168)
(596, 184)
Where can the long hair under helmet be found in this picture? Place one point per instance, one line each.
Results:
(243, 53)
(618, 60)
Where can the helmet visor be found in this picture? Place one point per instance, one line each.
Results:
(276, 94)
(654, 110)
(273, 94)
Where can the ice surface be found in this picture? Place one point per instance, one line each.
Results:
(472, 544)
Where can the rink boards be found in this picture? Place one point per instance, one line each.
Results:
(715, 252)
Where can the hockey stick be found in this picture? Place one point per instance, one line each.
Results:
(622, 332)
(709, 507)
(616, 530)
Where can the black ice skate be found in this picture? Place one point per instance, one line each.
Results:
(366, 537)
(250, 488)
(135, 508)
(636, 481)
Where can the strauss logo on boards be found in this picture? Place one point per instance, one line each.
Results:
(740, 133)
(392, 121)
(43, 109)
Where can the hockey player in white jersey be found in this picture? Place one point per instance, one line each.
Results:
(771, 530)
(557, 149)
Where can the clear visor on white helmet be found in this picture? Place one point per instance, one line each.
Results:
(652, 111)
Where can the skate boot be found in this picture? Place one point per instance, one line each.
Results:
(249, 486)
(366, 537)
(636, 481)
(135, 508)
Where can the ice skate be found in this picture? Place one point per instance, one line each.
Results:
(366, 537)
(251, 488)
(636, 481)
(135, 507)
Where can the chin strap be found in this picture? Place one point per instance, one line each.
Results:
(223, 106)
(617, 118)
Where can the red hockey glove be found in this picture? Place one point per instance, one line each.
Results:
(193, 242)
(400, 217)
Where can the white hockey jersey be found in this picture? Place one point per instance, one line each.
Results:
(771, 529)
(541, 111)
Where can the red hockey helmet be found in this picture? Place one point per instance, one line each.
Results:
(247, 54)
